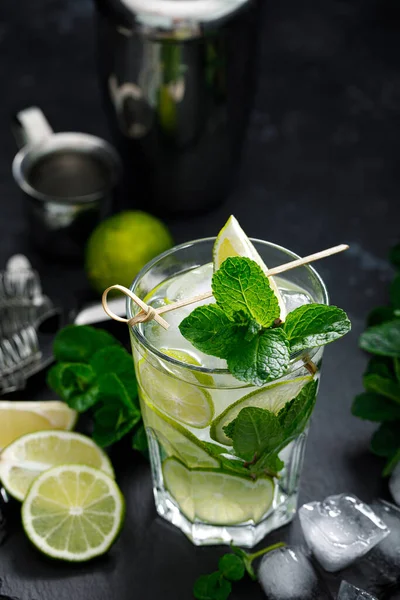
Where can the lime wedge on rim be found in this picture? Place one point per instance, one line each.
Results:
(28, 456)
(232, 241)
(217, 497)
(271, 397)
(180, 400)
(73, 512)
(21, 417)
(175, 439)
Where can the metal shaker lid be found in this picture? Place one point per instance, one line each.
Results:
(195, 11)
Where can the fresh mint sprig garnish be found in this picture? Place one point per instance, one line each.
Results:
(243, 326)
(94, 372)
(232, 567)
(380, 402)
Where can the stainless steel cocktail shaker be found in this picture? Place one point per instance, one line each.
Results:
(178, 80)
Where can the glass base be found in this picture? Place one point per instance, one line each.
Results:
(246, 535)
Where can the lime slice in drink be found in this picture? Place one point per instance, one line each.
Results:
(271, 397)
(175, 439)
(182, 401)
(185, 357)
(232, 241)
(217, 497)
(23, 460)
(18, 418)
(73, 512)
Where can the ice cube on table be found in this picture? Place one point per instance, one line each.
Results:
(351, 592)
(394, 484)
(288, 574)
(340, 530)
(385, 556)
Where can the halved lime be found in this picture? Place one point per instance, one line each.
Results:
(20, 417)
(73, 512)
(23, 460)
(271, 397)
(232, 241)
(217, 497)
(185, 402)
(175, 439)
(186, 357)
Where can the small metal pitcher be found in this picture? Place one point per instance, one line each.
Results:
(68, 180)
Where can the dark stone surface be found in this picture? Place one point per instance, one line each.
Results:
(320, 167)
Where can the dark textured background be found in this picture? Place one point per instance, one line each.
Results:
(320, 167)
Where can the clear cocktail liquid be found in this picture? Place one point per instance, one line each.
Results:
(187, 398)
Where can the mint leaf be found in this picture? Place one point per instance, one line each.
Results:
(115, 359)
(231, 567)
(391, 464)
(294, 416)
(380, 314)
(380, 365)
(267, 464)
(263, 359)
(252, 329)
(77, 343)
(383, 386)
(385, 441)
(255, 431)
(247, 561)
(395, 292)
(115, 414)
(212, 587)
(382, 339)
(240, 285)
(313, 325)
(53, 379)
(396, 363)
(209, 330)
(373, 407)
(139, 441)
(75, 383)
(228, 464)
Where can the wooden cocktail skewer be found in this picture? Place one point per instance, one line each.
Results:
(147, 313)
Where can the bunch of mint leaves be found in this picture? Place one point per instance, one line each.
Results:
(244, 327)
(94, 372)
(380, 402)
(232, 566)
(258, 434)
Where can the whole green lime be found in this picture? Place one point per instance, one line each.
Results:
(121, 245)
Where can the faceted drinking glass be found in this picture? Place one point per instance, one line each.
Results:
(199, 484)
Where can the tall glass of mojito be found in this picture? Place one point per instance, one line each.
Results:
(227, 392)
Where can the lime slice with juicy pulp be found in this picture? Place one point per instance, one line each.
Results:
(271, 397)
(178, 399)
(73, 512)
(175, 439)
(28, 456)
(185, 357)
(217, 497)
(232, 241)
(18, 418)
